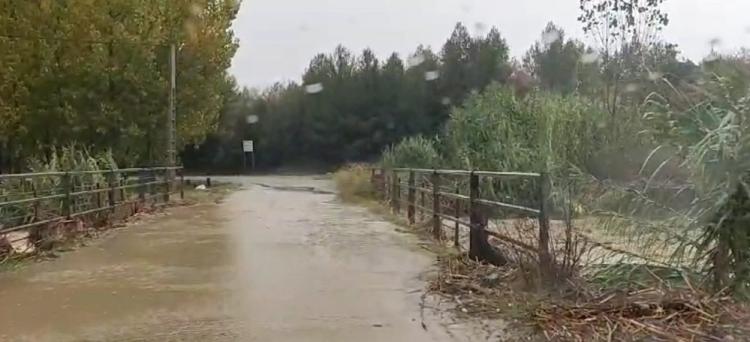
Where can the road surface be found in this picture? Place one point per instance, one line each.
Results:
(280, 260)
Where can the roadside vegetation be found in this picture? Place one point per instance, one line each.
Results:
(648, 154)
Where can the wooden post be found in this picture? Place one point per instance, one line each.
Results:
(436, 223)
(182, 184)
(67, 184)
(398, 193)
(457, 205)
(411, 197)
(394, 180)
(475, 223)
(545, 258)
(421, 203)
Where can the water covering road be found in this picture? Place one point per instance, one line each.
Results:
(280, 260)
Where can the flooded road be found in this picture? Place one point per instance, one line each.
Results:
(280, 260)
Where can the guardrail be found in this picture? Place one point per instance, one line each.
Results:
(29, 200)
(423, 185)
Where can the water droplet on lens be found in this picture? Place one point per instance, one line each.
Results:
(251, 119)
(415, 60)
(550, 37)
(713, 56)
(631, 88)
(590, 57)
(480, 28)
(314, 88)
(654, 75)
(431, 75)
(446, 101)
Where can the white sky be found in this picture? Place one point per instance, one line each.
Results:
(279, 37)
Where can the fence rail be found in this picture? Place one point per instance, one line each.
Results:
(29, 200)
(447, 203)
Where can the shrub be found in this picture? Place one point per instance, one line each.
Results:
(412, 152)
(353, 182)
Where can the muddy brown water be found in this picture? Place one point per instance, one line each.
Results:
(280, 260)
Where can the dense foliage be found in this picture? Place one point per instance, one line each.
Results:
(96, 73)
(349, 107)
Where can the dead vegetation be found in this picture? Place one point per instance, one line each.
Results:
(579, 311)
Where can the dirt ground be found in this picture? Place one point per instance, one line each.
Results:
(280, 260)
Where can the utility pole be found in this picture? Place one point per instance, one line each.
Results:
(172, 115)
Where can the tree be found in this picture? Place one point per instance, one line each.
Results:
(96, 73)
(553, 61)
(622, 29)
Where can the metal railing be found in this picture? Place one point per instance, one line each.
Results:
(29, 200)
(464, 198)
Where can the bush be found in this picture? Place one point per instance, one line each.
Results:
(413, 152)
(495, 130)
(353, 182)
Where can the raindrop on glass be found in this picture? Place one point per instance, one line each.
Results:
(251, 119)
(590, 57)
(550, 37)
(446, 101)
(415, 60)
(314, 88)
(654, 75)
(195, 9)
(713, 56)
(480, 28)
(714, 42)
(631, 88)
(431, 75)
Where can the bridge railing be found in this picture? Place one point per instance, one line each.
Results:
(31, 200)
(468, 199)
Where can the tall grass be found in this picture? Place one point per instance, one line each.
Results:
(413, 152)
(69, 158)
(353, 182)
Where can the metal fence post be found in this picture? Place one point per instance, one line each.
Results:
(152, 187)
(36, 203)
(98, 195)
(142, 179)
(474, 216)
(111, 176)
(123, 194)
(545, 258)
(436, 223)
(411, 197)
(67, 184)
(168, 182)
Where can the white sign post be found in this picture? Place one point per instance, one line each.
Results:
(247, 147)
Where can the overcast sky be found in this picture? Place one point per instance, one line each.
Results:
(279, 37)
